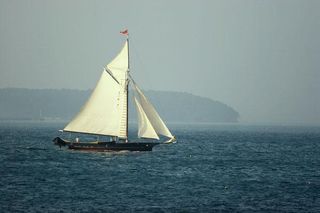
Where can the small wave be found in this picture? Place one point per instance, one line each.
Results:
(34, 148)
(110, 152)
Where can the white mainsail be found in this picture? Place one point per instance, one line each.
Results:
(152, 115)
(146, 129)
(105, 112)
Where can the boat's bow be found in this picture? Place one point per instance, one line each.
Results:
(171, 140)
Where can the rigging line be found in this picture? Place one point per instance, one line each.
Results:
(134, 85)
(135, 52)
(132, 79)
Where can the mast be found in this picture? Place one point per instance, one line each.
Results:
(127, 88)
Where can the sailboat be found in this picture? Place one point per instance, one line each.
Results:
(106, 113)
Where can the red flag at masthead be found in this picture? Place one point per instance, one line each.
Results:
(125, 32)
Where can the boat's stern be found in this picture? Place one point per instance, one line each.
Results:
(59, 142)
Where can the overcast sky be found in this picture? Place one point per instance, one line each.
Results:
(260, 57)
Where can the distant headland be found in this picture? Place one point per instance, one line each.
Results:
(62, 104)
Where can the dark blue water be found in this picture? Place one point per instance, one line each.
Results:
(220, 168)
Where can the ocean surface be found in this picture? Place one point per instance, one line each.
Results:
(212, 168)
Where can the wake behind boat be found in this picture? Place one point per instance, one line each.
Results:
(106, 112)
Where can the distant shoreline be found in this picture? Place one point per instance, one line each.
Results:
(64, 104)
(266, 124)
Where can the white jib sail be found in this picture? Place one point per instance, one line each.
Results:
(151, 113)
(105, 112)
(146, 129)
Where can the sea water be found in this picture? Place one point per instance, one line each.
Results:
(222, 168)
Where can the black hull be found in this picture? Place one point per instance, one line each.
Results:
(105, 146)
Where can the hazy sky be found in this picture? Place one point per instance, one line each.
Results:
(260, 57)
